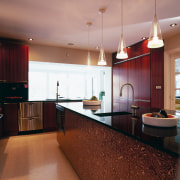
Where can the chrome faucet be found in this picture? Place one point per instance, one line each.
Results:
(57, 94)
(133, 106)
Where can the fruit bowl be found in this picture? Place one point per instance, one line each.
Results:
(171, 121)
(91, 102)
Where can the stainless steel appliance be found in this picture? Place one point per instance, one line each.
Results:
(30, 116)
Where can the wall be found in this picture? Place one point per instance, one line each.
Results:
(171, 52)
(64, 55)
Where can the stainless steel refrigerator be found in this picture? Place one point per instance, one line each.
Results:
(30, 116)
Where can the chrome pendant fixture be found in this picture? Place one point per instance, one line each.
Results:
(122, 51)
(102, 58)
(155, 38)
(88, 56)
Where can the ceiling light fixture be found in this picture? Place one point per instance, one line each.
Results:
(122, 52)
(70, 44)
(155, 38)
(102, 58)
(30, 39)
(174, 24)
(143, 38)
(88, 56)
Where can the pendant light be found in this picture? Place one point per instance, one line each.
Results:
(102, 58)
(122, 52)
(155, 38)
(88, 56)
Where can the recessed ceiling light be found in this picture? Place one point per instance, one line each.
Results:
(30, 39)
(174, 24)
(144, 38)
(70, 44)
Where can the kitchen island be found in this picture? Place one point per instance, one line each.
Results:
(116, 147)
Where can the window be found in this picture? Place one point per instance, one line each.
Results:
(177, 83)
(75, 81)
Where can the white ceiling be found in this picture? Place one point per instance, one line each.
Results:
(59, 22)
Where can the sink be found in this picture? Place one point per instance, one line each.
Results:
(171, 121)
(113, 113)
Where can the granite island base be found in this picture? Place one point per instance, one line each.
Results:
(99, 152)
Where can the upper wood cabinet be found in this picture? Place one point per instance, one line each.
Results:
(144, 68)
(14, 63)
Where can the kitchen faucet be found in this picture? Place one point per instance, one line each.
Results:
(57, 94)
(133, 106)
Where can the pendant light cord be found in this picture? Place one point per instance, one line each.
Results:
(102, 30)
(122, 17)
(88, 38)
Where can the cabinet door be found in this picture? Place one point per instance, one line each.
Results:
(14, 63)
(4, 58)
(1, 120)
(18, 64)
(10, 119)
(123, 67)
(49, 116)
(157, 78)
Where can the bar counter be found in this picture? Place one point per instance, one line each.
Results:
(116, 147)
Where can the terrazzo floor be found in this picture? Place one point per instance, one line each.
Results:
(34, 157)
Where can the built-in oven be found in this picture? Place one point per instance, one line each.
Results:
(30, 116)
(13, 92)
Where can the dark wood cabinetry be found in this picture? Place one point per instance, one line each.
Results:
(157, 77)
(145, 70)
(10, 119)
(49, 116)
(14, 63)
(1, 121)
(1, 127)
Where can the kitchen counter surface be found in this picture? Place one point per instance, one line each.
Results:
(44, 100)
(165, 139)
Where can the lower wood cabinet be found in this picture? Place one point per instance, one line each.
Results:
(1, 120)
(10, 123)
(49, 116)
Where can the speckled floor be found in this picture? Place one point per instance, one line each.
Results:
(34, 157)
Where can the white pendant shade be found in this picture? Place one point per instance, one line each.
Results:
(155, 37)
(122, 52)
(102, 58)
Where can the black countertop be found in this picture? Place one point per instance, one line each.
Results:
(165, 139)
(43, 100)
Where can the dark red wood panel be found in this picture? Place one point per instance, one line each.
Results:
(14, 63)
(10, 119)
(144, 78)
(132, 78)
(145, 70)
(4, 58)
(157, 78)
(49, 116)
